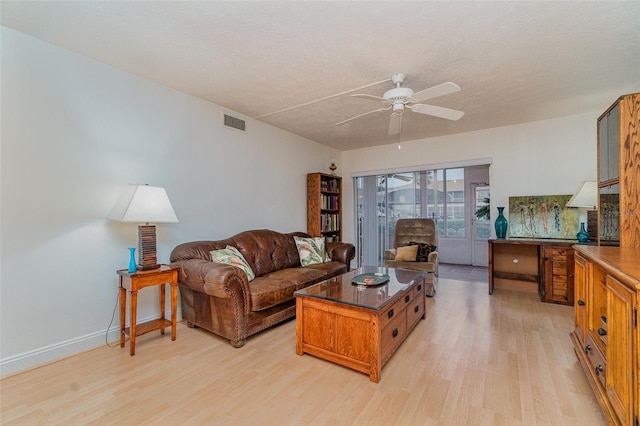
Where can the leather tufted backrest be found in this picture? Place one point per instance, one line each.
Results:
(418, 230)
(268, 251)
(265, 250)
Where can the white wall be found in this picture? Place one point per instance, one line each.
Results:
(541, 158)
(74, 133)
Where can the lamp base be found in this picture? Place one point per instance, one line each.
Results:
(148, 267)
(147, 257)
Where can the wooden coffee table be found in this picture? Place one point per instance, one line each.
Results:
(357, 326)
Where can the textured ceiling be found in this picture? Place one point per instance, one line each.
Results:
(515, 61)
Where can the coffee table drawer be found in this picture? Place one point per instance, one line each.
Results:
(418, 290)
(392, 312)
(392, 335)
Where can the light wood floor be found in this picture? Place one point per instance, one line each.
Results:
(504, 359)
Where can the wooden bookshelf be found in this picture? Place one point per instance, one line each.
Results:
(324, 206)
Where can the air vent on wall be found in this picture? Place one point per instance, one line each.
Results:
(235, 123)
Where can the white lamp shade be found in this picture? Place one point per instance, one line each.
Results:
(143, 203)
(587, 196)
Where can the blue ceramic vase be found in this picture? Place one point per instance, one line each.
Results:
(501, 225)
(582, 236)
(132, 260)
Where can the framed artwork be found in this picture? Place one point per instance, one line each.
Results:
(542, 216)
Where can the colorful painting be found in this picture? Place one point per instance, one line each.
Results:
(542, 216)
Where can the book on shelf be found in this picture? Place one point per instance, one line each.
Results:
(329, 222)
(329, 185)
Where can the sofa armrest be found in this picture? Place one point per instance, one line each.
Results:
(214, 279)
(341, 252)
(390, 254)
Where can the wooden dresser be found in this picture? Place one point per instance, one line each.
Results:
(607, 278)
(606, 337)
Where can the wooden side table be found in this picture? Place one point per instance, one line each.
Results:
(134, 281)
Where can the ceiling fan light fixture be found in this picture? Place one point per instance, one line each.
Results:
(397, 94)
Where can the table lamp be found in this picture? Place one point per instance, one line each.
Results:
(144, 203)
(586, 198)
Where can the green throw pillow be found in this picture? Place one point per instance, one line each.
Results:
(311, 250)
(231, 256)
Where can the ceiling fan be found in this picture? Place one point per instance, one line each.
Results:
(399, 98)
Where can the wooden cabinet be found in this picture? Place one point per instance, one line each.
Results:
(580, 294)
(324, 206)
(619, 173)
(606, 343)
(543, 266)
(558, 269)
(621, 321)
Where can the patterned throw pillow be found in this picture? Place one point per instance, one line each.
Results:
(406, 254)
(231, 256)
(423, 251)
(311, 250)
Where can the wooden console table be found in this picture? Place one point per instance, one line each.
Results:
(135, 281)
(536, 265)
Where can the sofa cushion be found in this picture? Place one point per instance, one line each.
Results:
(311, 250)
(231, 256)
(268, 291)
(278, 286)
(423, 251)
(406, 254)
(329, 269)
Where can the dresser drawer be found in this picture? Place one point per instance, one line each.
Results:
(596, 359)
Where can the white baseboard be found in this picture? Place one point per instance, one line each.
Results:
(47, 354)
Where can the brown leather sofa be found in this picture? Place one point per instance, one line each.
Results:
(219, 297)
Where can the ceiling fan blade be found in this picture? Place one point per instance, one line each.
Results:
(436, 111)
(395, 123)
(370, 97)
(362, 115)
(435, 91)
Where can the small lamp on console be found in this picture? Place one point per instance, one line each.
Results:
(585, 199)
(144, 204)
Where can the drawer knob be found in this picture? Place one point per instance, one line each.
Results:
(416, 309)
(602, 331)
(395, 333)
(419, 287)
(390, 313)
(587, 349)
(581, 302)
(407, 298)
(599, 369)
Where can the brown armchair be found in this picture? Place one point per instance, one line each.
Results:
(423, 233)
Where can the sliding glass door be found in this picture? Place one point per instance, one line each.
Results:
(443, 195)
